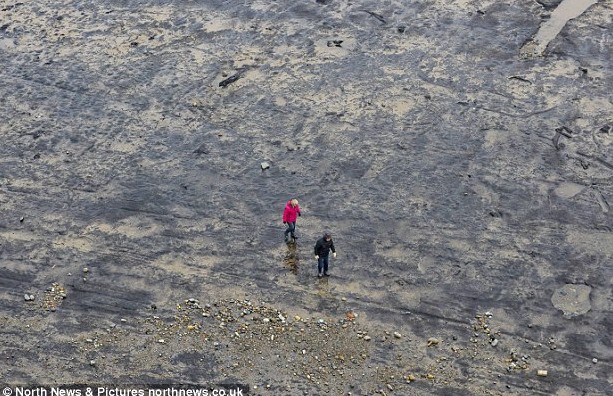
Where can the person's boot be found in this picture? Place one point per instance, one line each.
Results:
(319, 275)
(326, 273)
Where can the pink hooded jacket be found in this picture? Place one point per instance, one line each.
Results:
(291, 213)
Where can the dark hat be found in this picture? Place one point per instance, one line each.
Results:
(327, 235)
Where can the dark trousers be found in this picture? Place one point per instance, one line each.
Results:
(322, 264)
(291, 229)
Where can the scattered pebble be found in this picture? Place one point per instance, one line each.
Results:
(265, 165)
(397, 334)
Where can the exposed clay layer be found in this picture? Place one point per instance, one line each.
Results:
(457, 177)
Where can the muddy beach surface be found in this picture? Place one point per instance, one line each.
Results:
(460, 152)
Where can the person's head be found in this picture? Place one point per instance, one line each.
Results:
(327, 236)
(294, 202)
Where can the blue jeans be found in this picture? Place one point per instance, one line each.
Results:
(322, 264)
(291, 228)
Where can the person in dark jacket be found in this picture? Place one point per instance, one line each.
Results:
(322, 251)
(290, 214)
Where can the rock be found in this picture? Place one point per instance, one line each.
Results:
(367, 338)
(433, 341)
(229, 80)
(390, 387)
(297, 318)
(265, 320)
(410, 378)
(541, 373)
(594, 360)
(162, 341)
(123, 320)
(92, 362)
(494, 342)
(265, 165)
(89, 340)
(28, 297)
(489, 314)
(85, 270)
(397, 335)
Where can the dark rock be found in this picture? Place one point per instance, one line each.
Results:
(230, 80)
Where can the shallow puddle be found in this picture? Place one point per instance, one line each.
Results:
(567, 10)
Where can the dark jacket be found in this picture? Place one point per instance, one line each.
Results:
(323, 247)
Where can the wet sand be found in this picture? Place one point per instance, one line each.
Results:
(465, 174)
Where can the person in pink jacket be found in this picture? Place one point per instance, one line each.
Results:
(290, 214)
